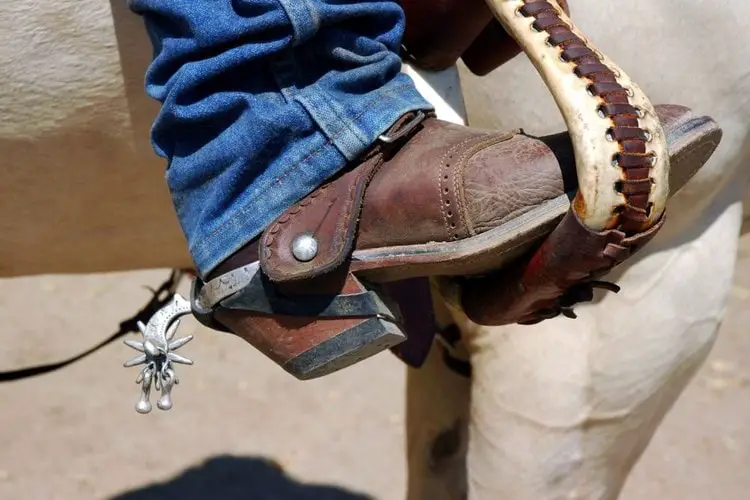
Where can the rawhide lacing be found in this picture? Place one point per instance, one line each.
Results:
(634, 159)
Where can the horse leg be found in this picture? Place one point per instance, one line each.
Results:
(564, 409)
(437, 398)
(437, 418)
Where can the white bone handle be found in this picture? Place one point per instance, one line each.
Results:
(620, 148)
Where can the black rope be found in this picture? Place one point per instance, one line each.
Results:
(127, 326)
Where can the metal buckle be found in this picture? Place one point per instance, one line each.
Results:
(408, 127)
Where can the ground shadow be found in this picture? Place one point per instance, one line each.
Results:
(238, 478)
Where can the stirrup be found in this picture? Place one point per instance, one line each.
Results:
(309, 335)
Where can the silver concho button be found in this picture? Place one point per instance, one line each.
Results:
(304, 247)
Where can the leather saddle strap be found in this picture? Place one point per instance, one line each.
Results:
(414, 300)
(440, 32)
(536, 287)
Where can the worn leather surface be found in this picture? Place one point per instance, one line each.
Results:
(440, 32)
(284, 338)
(427, 182)
(531, 176)
(449, 182)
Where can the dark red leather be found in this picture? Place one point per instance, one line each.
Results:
(440, 32)
(555, 277)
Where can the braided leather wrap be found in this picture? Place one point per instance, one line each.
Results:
(620, 147)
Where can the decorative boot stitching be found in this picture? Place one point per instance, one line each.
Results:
(481, 144)
(633, 159)
(365, 175)
(452, 198)
(269, 236)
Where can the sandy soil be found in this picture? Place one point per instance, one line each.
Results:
(238, 419)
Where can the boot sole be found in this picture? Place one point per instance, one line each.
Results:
(691, 141)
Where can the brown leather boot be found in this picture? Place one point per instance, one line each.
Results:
(430, 199)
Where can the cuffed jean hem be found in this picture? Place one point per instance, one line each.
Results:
(354, 135)
(325, 156)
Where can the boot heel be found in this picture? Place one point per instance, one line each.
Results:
(347, 345)
(345, 348)
(310, 334)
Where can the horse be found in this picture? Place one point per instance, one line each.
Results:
(564, 409)
(560, 409)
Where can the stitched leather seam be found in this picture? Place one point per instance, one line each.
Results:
(616, 106)
(460, 208)
(444, 175)
(340, 235)
(269, 236)
(484, 142)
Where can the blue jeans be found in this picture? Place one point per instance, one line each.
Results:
(263, 101)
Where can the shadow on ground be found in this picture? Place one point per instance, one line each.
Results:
(237, 478)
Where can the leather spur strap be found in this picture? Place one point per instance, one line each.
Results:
(328, 218)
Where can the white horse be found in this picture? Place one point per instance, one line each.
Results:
(559, 410)
(564, 409)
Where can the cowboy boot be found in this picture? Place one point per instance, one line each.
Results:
(429, 199)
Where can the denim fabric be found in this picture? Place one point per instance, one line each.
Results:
(263, 101)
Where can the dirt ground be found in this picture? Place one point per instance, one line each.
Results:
(74, 434)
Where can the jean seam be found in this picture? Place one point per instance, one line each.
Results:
(281, 77)
(310, 18)
(346, 124)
